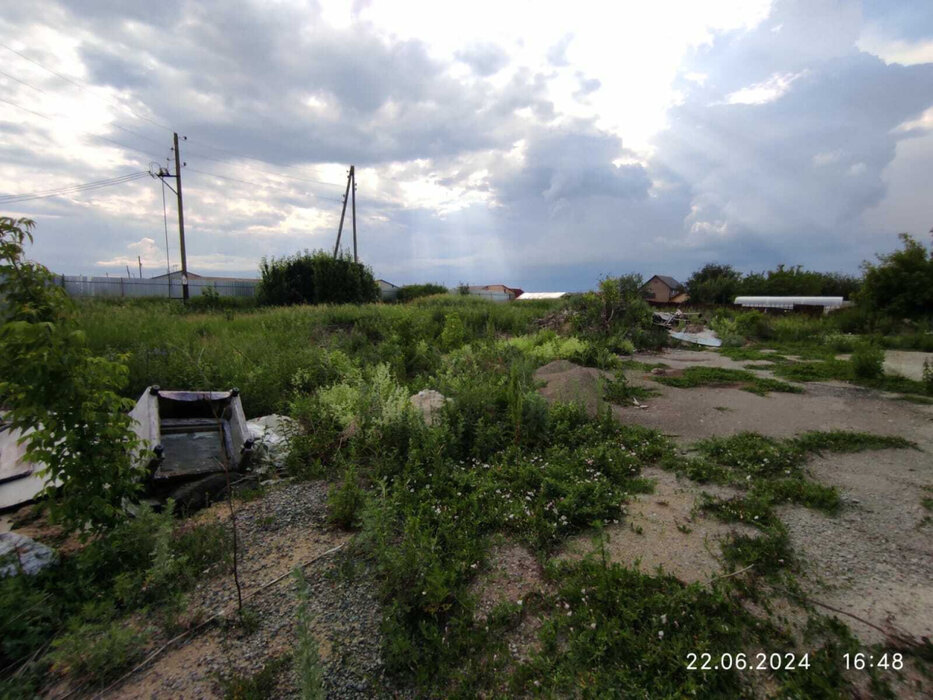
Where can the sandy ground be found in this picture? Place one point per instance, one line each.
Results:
(906, 363)
(875, 558)
(663, 531)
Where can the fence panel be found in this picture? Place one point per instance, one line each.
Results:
(83, 286)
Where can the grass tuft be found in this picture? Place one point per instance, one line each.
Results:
(718, 376)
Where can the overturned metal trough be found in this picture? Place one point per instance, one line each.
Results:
(195, 438)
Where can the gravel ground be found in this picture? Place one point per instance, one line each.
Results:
(283, 529)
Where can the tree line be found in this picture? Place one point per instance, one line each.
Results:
(899, 284)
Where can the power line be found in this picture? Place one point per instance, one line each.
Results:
(257, 160)
(21, 82)
(74, 189)
(97, 136)
(113, 124)
(252, 182)
(83, 86)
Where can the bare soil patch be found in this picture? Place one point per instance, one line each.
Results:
(513, 574)
(565, 381)
(664, 530)
(873, 559)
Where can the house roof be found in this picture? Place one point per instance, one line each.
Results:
(669, 281)
(531, 296)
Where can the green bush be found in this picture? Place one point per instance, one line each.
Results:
(344, 501)
(867, 361)
(414, 291)
(315, 278)
(928, 376)
(97, 652)
(900, 285)
(754, 324)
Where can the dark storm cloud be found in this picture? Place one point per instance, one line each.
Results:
(245, 78)
(793, 175)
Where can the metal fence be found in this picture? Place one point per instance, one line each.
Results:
(82, 286)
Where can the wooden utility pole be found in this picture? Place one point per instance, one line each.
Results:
(353, 199)
(140, 261)
(181, 222)
(343, 213)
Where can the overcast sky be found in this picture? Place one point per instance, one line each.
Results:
(494, 141)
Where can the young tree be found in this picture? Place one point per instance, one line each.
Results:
(901, 284)
(714, 284)
(60, 396)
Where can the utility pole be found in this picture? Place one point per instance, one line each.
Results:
(140, 261)
(351, 179)
(181, 222)
(343, 212)
(353, 196)
(162, 174)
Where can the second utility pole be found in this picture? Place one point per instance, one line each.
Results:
(351, 182)
(181, 223)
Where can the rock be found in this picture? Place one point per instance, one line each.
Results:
(32, 556)
(658, 371)
(429, 402)
(272, 437)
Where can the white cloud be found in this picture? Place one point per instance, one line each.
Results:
(761, 93)
(904, 52)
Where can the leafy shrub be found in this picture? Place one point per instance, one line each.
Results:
(753, 324)
(454, 333)
(928, 376)
(258, 686)
(618, 310)
(315, 278)
(65, 397)
(344, 502)
(97, 652)
(414, 291)
(867, 361)
(839, 342)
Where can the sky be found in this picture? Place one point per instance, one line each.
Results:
(540, 145)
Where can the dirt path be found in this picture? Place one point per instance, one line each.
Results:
(278, 532)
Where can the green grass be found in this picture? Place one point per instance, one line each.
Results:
(820, 371)
(771, 471)
(717, 376)
(260, 350)
(618, 391)
(848, 441)
(614, 632)
(920, 400)
(258, 686)
(78, 608)
(499, 464)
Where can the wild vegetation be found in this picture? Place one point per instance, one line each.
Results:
(426, 499)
